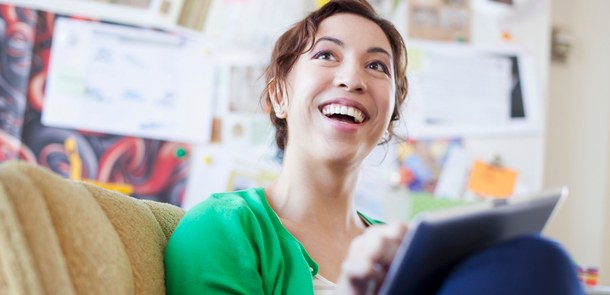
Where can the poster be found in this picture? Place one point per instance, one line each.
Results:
(157, 170)
(17, 32)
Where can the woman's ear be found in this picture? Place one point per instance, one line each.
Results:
(278, 99)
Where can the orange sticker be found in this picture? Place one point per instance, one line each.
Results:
(491, 181)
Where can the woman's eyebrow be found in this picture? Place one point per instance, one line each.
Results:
(331, 39)
(379, 50)
(342, 44)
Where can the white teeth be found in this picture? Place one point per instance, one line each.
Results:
(351, 112)
(336, 109)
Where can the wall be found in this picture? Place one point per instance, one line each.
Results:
(577, 140)
(531, 30)
(605, 263)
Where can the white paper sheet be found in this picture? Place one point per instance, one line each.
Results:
(453, 178)
(129, 81)
(145, 12)
(220, 168)
(459, 90)
(252, 24)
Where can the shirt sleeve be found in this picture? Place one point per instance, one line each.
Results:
(212, 251)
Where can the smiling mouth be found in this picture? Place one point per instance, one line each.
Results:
(343, 113)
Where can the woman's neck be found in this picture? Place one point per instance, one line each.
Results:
(315, 193)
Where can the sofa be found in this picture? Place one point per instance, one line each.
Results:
(59, 236)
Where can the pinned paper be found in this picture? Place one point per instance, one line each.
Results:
(76, 168)
(76, 164)
(129, 81)
(443, 20)
(491, 181)
(454, 174)
(320, 3)
(123, 188)
(223, 167)
(495, 98)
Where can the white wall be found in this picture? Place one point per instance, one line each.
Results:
(531, 30)
(577, 141)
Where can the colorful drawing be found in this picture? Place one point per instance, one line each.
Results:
(17, 39)
(420, 162)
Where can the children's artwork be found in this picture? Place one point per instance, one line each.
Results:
(420, 162)
(446, 20)
(129, 81)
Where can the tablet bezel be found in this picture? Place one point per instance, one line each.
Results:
(439, 241)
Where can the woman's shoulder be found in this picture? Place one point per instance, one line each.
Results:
(228, 205)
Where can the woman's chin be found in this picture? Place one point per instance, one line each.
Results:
(347, 156)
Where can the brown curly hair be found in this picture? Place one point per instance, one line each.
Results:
(300, 38)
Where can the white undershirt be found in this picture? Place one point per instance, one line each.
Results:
(322, 286)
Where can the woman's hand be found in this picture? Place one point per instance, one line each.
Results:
(369, 258)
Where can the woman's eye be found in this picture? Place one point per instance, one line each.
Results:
(324, 55)
(379, 66)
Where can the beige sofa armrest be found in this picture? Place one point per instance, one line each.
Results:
(64, 237)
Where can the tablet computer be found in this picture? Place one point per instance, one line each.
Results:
(439, 241)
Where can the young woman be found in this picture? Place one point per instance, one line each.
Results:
(335, 85)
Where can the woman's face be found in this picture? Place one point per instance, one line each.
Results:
(341, 92)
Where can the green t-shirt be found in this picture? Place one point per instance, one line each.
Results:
(234, 243)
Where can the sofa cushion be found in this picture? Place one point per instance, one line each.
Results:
(59, 236)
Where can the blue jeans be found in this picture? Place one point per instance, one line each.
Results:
(524, 265)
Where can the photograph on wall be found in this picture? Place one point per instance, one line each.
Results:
(246, 83)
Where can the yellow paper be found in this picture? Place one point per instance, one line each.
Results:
(123, 188)
(491, 181)
(76, 164)
(320, 3)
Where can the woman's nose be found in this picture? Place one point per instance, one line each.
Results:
(351, 78)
